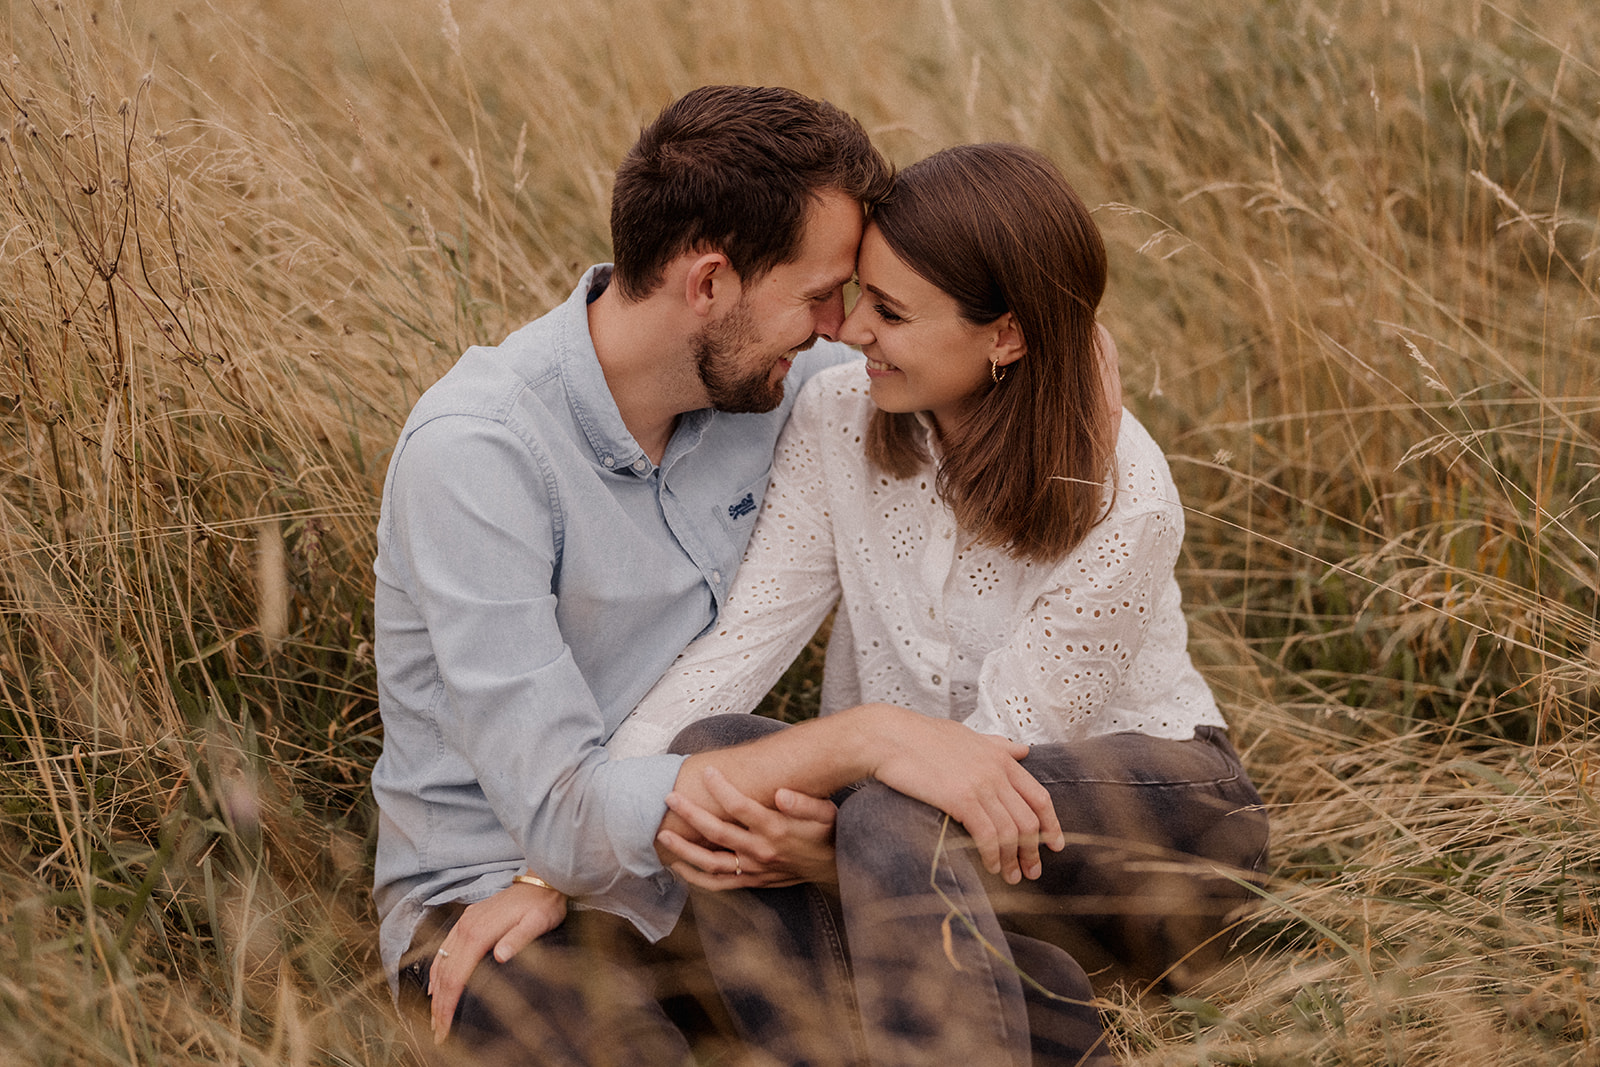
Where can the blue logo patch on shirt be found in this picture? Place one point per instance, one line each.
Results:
(743, 507)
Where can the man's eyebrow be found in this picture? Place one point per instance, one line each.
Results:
(826, 290)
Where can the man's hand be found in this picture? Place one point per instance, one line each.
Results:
(976, 779)
(506, 922)
(755, 846)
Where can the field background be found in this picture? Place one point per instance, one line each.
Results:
(1354, 264)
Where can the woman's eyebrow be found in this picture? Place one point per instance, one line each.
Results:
(882, 296)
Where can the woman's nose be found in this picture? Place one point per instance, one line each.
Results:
(854, 329)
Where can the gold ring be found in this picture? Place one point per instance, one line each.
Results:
(738, 868)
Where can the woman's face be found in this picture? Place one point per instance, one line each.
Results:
(921, 354)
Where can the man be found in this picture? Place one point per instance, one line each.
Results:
(562, 514)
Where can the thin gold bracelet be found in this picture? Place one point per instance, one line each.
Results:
(529, 878)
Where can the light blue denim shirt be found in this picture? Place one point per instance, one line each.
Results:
(536, 574)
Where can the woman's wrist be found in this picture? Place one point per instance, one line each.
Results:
(876, 733)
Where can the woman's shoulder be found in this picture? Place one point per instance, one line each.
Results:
(1143, 478)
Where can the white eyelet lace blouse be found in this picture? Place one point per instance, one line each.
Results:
(1093, 644)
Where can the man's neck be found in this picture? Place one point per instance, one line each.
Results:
(645, 354)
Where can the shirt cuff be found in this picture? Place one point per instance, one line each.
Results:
(638, 804)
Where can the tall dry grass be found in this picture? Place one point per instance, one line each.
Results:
(1354, 284)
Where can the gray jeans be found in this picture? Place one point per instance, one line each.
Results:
(924, 957)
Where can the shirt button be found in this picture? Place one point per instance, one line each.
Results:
(716, 576)
(640, 464)
(938, 680)
(608, 461)
(932, 614)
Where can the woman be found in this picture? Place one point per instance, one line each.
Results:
(1000, 542)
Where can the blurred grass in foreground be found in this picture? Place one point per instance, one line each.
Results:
(1354, 285)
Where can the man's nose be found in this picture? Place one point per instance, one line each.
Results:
(830, 318)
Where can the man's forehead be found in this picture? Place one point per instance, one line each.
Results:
(828, 248)
(816, 277)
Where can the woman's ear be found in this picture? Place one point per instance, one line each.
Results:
(708, 280)
(1009, 344)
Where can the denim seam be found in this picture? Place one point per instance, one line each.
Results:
(957, 897)
(841, 960)
(1165, 783)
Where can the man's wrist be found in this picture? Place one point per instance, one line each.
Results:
(529, 878)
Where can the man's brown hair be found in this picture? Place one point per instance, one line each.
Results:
(998, 228)
(734, 168)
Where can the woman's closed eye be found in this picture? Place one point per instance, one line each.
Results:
(885, 314)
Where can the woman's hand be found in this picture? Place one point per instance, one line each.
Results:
(975, 779)
(754, 845)
(507, 922)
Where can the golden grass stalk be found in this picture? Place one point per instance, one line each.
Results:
(1354, 284)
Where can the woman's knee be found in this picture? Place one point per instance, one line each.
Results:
(721, 731)
(879, 827)
(874, 807)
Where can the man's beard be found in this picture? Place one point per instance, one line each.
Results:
(730, 389)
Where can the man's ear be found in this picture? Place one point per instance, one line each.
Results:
(709, 281)
(1009, 344)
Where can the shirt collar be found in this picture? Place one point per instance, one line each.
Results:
(930, 436)
(592, 404)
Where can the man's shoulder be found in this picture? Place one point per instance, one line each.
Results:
(486, 379)
(496, 382)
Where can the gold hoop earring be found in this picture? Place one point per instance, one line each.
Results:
(995, 372)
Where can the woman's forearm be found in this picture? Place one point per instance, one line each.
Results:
(975, 778)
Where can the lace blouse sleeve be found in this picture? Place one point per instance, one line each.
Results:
(784, 588)
(1057, 677)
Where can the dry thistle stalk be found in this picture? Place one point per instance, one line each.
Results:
(272, 586)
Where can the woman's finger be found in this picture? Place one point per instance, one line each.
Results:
(706, 860)
(717, 883)
(985, 838)
(1042, 805)
(1006, 836)
(806, 807)
(739, 805)
(718, 831)
(1019, 825)
(1019, 837)
(1034, 795)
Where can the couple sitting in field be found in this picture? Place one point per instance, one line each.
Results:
(1018, 773)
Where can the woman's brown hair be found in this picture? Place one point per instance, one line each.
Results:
(998, 228)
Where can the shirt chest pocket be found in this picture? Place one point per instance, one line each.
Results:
(736, 517)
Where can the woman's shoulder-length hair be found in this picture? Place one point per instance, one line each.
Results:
(998, 228)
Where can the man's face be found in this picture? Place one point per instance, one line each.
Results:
(743, 356)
